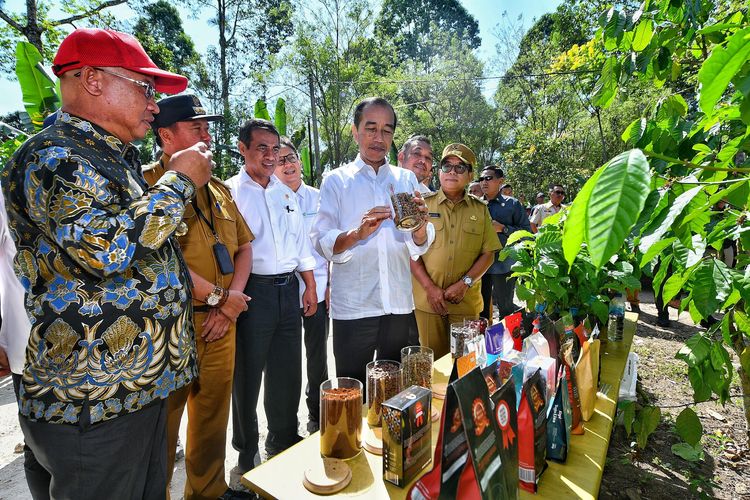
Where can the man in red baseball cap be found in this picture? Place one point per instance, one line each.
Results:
(107, 291)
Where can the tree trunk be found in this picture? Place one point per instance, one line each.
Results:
(738, 345)
(32, 31)
(222, 25)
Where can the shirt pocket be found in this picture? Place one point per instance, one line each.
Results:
(225, 225)
(471, 237)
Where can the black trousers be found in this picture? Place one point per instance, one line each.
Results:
(356, 341)
(122, 458)
(37, 476)
(500, 288)
(269, 340)
(316, 352)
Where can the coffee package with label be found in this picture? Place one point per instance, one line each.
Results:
(570, 377)
(559, 421)
(532, 433)
(407, 435)
(481, 434)
(513, 336)
(504, 410)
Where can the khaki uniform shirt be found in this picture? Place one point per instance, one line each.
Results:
(197, 243)
(463, 231)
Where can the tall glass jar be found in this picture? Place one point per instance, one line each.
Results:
(383, 382)
(341, 418)
(416, 364)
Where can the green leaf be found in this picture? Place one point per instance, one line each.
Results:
(279, 119)
(642, 35)
(37, 87)
(687, 452)
(616, 201)
(518, 235)
(606, 87)
(662, 272)
(601, 310)
(261, 110)
(674, 284)
(635, 131)
(701, 390)
(628, 416)
(720, 67)
(656, 249)
(613, 29)
(742, 321)
(696, 350)
(575, 224)
(304, 158)
(689, 426)
(646, 423)
(674, 211)
(711, 285)
(745, 359)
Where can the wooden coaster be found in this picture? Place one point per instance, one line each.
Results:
(435, 414)
(439, 390)
(326, 476)
(373, 441)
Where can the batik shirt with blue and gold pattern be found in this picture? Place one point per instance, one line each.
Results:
(106, 289)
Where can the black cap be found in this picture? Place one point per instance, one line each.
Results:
(181, 108)
(506, 186)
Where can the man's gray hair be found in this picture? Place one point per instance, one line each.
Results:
(413, 141)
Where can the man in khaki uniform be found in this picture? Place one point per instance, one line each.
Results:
(445, 279)
(217, 250)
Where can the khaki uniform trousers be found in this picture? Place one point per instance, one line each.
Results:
(435, 330)
(207, 399)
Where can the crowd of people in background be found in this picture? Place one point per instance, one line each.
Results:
(155, 290)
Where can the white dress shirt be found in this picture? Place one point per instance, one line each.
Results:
(281, 244)
(14, 332)
(423, 188)
(308, 198)
(372, 278)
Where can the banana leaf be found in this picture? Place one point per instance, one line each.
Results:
(261, 110)
(280, 116)
(38, 88)
(304, 157)
(298, 136)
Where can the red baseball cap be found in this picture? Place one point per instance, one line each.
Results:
(109, 48)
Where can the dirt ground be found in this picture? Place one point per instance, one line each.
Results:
(657, 473)
(654, 473)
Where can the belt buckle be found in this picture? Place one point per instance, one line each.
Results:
(280, 281)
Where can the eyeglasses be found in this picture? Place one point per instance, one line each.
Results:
(290, 158)
(488, 178)
(560, 193)
(459, 168)
(148, 88)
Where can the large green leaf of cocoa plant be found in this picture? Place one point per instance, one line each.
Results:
(720, 67)
(616, 201)
(279, 119)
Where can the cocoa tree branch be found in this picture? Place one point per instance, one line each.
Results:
(13, 24)
(88, 13)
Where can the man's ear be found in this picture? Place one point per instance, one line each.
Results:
(400, 157)
(355, 133)
(241, 147)
(92, 80)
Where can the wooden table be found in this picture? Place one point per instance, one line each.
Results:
(579, 477)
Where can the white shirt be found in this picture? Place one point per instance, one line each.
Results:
(281, 244)
(372, 278)
(308, 197)
(14, 332)
(423, 188)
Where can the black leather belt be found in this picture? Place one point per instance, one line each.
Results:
(272, 279)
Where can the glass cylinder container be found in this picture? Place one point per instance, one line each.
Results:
(461, 337)
(406, 214)
(383, 382)
(340, 418)
(416, 364)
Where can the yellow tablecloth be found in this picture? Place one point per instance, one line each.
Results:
(579, 477)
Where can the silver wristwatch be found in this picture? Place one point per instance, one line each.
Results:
(467, 280)
(213, 298)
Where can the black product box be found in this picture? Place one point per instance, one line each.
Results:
(407, 435)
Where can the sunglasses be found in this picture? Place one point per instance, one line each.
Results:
(561, 193)
(459, 169)
(290, 158)
(488, 178)
(148, 88)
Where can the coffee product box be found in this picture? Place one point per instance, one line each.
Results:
(407, 435)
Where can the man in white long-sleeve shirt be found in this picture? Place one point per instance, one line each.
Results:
(372, 305)
(269, 333)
